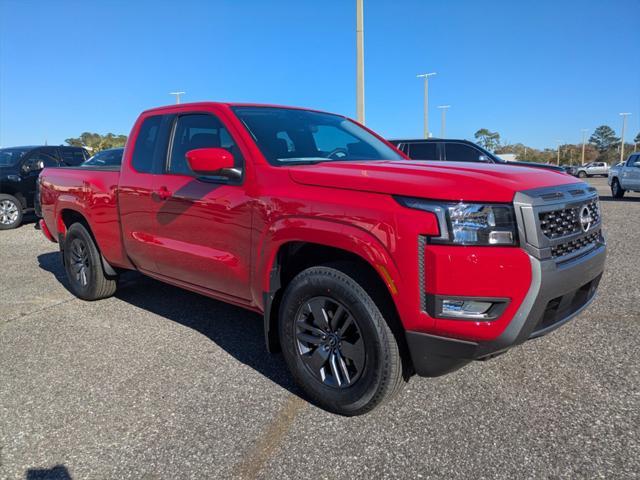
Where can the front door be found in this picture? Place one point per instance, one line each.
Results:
(632, 170)
(31, 167)
(204, 224)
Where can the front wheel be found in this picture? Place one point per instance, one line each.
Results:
(616, 189)
(10, 212)
(582, 174)
(83, 264)
(337, 344)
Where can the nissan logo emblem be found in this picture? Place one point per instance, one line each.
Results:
(586, 220)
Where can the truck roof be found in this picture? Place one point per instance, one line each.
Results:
(235, 104)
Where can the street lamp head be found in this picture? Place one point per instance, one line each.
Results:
(444, 106)
(624, 114)
(426, 75)
(177, 93)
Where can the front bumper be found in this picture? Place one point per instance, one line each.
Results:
(558, 292)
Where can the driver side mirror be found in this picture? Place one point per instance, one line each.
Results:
(637, 164)
(483, 158)
(212, 161)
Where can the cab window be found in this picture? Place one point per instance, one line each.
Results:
(199, 131)
(459, 152)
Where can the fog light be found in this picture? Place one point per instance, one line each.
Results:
(471, 309)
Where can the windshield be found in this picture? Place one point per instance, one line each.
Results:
(11, 156)
(105, 158)
(289, 136)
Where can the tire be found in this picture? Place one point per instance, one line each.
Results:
(83, 265)
(582, 174)
(616, 189)
(357, 352)
(10, 212)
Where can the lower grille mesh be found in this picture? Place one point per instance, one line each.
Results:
(574, 245)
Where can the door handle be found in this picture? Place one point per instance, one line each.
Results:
(162, 193)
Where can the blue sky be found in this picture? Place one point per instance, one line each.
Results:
(536, 71)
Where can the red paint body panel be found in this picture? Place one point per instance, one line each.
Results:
(221, 240)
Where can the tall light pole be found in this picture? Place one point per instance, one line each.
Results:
(426, 100)
(624, 126)
(584, 142)
(443, 125)
(559, 143)
(360, 60)
(177, 94)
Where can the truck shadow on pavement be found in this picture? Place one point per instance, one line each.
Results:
(626, 199)
(59, 472)
(237, 331)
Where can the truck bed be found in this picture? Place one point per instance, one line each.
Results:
(91, 191)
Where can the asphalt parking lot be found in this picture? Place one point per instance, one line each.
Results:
(157, 382)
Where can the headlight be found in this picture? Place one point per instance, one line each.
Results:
(469, 223)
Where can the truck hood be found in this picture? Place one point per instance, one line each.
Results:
(479, 182)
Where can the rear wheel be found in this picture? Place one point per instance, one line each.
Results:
(616, 189)
(83, 264)
(10, 212)
(336, 342)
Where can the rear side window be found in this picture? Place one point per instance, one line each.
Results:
(424, 151)
(199, 131)
(459, 152)
(146, 142)
(72, 157)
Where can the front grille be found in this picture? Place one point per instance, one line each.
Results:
(566, 221)
(574, 245)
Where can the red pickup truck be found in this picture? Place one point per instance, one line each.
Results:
(368, 267)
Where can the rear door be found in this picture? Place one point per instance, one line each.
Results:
(204, 223)
(72, 157)
(424, 150)
(138, 204)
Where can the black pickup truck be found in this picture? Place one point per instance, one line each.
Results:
(19, 170)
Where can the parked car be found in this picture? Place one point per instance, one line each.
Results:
(625, 177)
(366, 266)
(19, 169)
(457, 151)
(111, 157)
(593, 169)
(571, 169)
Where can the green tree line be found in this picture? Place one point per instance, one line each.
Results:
(603, 146)
(94, 142)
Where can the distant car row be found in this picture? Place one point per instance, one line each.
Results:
(20, 167)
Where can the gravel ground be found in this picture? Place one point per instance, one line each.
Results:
(162, 383)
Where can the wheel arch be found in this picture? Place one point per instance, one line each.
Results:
(69, 216)
(293, 256)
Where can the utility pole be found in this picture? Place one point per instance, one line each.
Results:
(559, 143)
(177, 94)
(443, 125)
(426, 100)
(624, 126)
(360, 60)
(584, 142)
